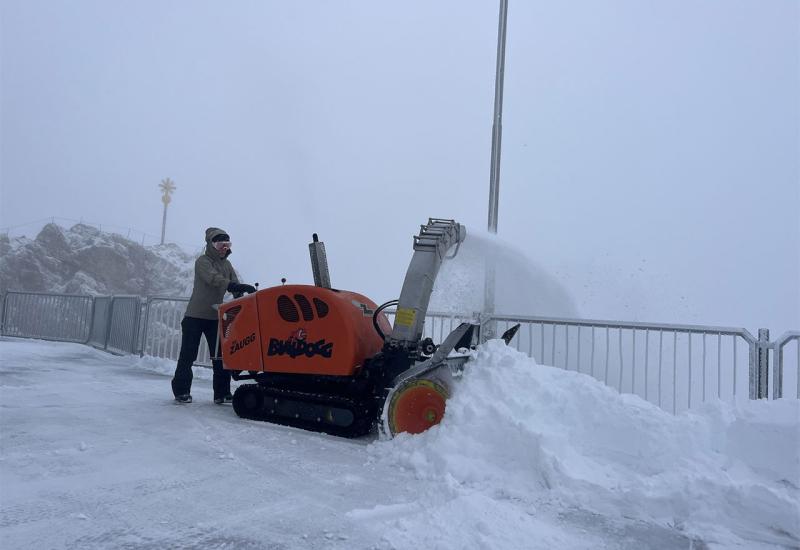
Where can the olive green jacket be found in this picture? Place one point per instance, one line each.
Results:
(211, 277)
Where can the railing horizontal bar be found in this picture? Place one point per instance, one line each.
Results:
(697, 329)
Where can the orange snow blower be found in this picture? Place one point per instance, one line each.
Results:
(328, 360)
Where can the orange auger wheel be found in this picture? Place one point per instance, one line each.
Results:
(416, 406)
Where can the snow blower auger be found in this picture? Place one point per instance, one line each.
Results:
(328, 360)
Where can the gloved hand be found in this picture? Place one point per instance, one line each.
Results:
(240, 288)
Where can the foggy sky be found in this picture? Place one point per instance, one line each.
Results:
(650, 161)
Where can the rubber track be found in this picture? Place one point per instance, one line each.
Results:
(364, 415)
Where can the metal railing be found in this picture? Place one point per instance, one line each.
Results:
(60, 317)
(162, 329)
(101, 315)
(123, 328)
(109, 323)
(783, 377)
(672, 366)
(439, 324)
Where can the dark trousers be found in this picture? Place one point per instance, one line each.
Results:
(192, 329)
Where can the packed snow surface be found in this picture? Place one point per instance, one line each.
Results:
(94, 454)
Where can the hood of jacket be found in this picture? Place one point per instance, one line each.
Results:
(211, 252)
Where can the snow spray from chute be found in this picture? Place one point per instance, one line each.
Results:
(521, 286)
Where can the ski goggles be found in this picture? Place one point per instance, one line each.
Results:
(221, 245)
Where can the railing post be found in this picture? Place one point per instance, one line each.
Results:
(91, 321)
(146, 306)
(777, 370)
(109, 320)
(476, 317)
(485, 327)
(759, 366)
(137, 317)
(3, 314)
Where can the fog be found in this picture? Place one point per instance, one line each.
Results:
(650, 162)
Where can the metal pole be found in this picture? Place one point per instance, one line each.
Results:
(3, 314)
(762, 387)
(163, 223)
(167, 187)
(488, 331)
(759, 365)
(497, 120)
(777, 371)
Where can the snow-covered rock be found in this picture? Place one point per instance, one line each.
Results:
(86, 260)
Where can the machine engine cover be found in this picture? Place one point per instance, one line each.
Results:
(300, 329)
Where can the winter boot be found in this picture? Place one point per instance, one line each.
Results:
(220, 400)
(183, 398)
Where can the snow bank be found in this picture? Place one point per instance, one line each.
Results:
(520, 441)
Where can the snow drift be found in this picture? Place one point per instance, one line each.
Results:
(521, 442)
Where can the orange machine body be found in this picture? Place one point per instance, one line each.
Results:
(300, 329)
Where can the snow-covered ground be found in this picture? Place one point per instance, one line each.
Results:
(94, 454)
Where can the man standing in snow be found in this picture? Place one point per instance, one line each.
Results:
(213, 276)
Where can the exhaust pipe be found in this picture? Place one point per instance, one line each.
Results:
(319, 263)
